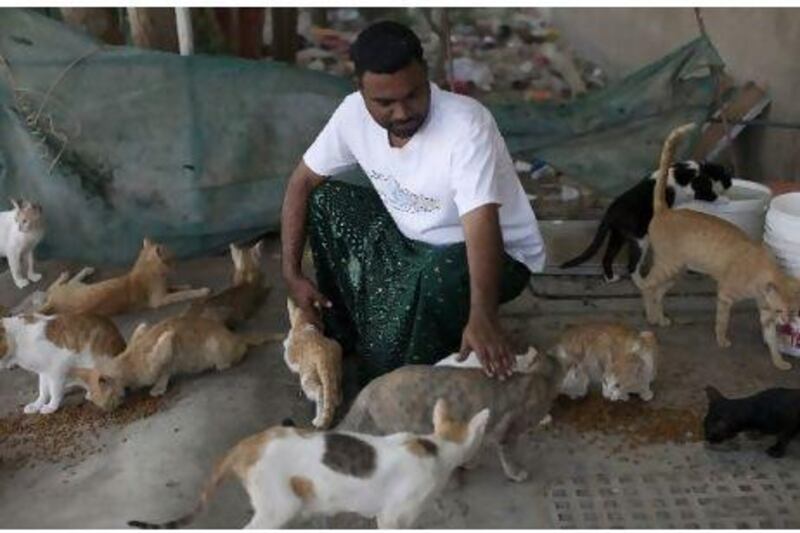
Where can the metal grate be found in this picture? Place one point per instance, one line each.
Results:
(689, 499)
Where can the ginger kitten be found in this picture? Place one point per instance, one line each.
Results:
(144, 286)
(242, 299)
(318, 361)
(618, 356)
(742, 268)
(176, 345)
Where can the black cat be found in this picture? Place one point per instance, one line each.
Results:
(627, 218)
(771, 411)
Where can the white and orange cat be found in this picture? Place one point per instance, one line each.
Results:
(176, 345)
(318, 361)
(613, 354)
(61, 349)
(290, 473)
(144, 286)
(21, 229)
(743, 269)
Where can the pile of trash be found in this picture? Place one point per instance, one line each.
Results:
(508, 53)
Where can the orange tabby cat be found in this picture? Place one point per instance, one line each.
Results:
(240, 301)
(144, 286)
(614, 354)
(743, 268)
(318, 361)
(177, 345)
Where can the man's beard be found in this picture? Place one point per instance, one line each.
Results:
(407, 129)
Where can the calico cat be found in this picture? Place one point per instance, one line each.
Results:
(290, 473)
(614, 354)
(742, 268)
(144, 286)
(398, 401)
(176, 345)
(318, 361)
(242, 299)
(61, 349)
(21, 229)
(627, 218)
(771, 411)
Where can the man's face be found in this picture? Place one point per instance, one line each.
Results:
(399, 102)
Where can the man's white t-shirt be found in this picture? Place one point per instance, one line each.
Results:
(457, 161)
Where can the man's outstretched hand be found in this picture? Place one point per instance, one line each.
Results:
(307, 297)
(484, 336)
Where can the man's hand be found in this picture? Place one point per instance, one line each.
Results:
(306, 296)
(484, 336)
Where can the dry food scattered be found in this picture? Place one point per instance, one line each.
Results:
(637, 422)
(68, 434)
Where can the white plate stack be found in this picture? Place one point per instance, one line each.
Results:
(782, 235)
(782, 231)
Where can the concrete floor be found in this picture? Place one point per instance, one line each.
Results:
(152, 468)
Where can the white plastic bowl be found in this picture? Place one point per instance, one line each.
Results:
(748, 203)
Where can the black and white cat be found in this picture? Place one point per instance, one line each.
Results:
(627, 218)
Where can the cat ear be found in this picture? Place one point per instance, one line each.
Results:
(257, 251)
(15, 203)
(477, 426)
(713, 394)
(162, 351)
(441, 416)
(147, 243)
(140, 329)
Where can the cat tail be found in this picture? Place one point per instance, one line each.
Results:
(595, 245)
(667, 155)
(256, 339)
(330, 392)
(220, 472)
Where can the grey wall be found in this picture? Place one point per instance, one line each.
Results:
(762, 45)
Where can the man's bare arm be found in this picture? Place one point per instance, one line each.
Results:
(483, 333)
(293, 237)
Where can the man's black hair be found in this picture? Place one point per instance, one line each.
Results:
(384, 48)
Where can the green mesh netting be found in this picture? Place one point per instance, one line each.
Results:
(117, 143)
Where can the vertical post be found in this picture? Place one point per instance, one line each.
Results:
(285, 41)
(183, 23)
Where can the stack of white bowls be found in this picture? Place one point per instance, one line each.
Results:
(782, 235)
(782, 231)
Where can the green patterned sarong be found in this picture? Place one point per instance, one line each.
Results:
(396, 301)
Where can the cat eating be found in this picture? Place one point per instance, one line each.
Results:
(62, 350)
(176, 345)
(291, 472)
(398, 401)
(627, 219)
(21, 229)
(317, 360)
(614, 354)
(771, 411)
(742, 268)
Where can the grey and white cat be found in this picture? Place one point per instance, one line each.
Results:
(21, 229)
(403, 399)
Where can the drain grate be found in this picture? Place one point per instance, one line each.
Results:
(680, 499)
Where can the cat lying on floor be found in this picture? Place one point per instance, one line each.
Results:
(614, 354)
(176, 345)
(627, 218)
(742, 268)
(61, 349)
(290, 472)
(242, 299)
(318, 361)
(21, 229)
(144, 286)
(771, 411)
(398, 401)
